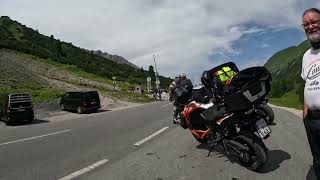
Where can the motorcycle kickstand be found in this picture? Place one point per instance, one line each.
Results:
(210, 150)
(211, 147)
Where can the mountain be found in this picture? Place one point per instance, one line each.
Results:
(115, 58)
(15, 36)
(285, 67)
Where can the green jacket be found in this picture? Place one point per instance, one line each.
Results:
(225, 73)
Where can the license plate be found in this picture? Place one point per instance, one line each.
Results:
(93, 102)
(20, 110)
(262, 128)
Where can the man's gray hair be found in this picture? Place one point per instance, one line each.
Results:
(315, 10)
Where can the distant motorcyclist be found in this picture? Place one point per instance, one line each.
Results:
(184, 82)
(171, 87)
(172, 97)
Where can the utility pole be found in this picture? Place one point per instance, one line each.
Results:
(157, 79)
(148, 84)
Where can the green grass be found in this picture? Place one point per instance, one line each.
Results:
(290, 99)
(15, 32)
(38, 92)
(80, 73)
(134, 97)
(128, 96)
(120, 94)
(45, 95)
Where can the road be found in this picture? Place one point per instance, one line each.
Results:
(140, 143)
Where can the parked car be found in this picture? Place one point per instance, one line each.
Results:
(81, 101)
(16, 107)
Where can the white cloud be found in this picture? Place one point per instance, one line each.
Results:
(253, 62)
(265, 45)
(181, 33)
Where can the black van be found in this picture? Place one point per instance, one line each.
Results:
(81, 101)
(16, 107)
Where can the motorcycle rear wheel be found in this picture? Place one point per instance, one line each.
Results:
(257, 156)
(268, 112)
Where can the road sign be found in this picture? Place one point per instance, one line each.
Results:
(148, 79)
(114, 82)
(157, 82)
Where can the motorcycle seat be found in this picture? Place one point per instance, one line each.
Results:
(213, 113)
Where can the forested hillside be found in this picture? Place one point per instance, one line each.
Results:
(285, 67)
(16, 36)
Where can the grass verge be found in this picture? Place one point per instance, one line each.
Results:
(290, 99)
(38, 92)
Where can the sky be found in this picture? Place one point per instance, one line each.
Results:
(184, 35)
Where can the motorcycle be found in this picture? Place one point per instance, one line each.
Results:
(201, 94)
(263, 107)
(233, 121)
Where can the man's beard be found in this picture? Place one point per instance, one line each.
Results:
(314, 40)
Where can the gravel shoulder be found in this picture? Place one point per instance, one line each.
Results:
(50, 111)
(292, 110)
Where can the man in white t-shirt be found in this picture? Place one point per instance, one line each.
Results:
(310, 72)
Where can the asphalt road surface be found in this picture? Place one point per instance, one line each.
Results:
(141, 143)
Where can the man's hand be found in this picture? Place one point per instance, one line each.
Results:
(305, 110)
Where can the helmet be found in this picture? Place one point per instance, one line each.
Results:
(205, 79)
(183, 75)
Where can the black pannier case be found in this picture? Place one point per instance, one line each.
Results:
(247, 87)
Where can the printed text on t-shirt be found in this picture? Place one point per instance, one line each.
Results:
(314, 72)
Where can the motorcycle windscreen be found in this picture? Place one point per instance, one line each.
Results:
(201, 94)
(215, 81)
(182, 95)
(231, 65)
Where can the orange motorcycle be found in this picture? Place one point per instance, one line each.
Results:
(232, 120)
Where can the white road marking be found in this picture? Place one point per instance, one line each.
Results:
(151, 136)
(35, 137)
(84, 170)
(165, 105)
